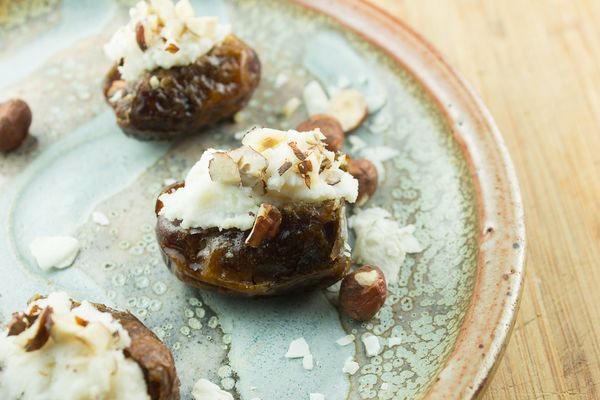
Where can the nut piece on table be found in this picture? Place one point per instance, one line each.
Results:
(363, 293)
(266, 225)
(349, 107)
(366, 174)
(15, 119)
(329, 126)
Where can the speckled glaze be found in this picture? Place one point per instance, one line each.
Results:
(501, 259)
(455, 302)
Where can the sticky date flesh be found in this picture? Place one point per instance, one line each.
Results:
(188, 98)
(306, 253)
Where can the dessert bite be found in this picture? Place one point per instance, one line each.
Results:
(266, 218)
(175, 73)
(61, 349)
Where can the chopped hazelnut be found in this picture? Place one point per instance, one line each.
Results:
(300, 155)
(329, 126)
(222, 168)
(17, 324)
(305, 168)
(15, 119)
(365, 172)
(349, 107)
(363, 293)
(284, 167)
(266, 225)
(140, 37)
(42, 334)
(252, 166)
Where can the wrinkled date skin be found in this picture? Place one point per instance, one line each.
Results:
(152, 355)
(190, 97)
(306, 254)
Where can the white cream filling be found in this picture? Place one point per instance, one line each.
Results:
(172, 33)
(205, 203)
(77, 362)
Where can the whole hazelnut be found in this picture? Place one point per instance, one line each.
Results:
(363, 293)
(329, 126)
(366, 174)
(15, 119)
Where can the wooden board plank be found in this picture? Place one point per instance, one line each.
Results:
(536, 65)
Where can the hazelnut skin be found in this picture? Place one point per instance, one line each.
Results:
(15, 119)
(366, 174)
(363, 293)
(329, 126)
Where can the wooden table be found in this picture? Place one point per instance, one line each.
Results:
(536, 64)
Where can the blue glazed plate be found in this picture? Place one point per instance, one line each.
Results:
(452, 179)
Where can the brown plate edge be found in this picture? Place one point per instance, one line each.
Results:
(502, 246)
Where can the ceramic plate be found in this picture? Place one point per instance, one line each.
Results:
(452, 178)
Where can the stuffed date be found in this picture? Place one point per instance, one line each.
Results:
(62, 349)
(267, 218)
(176, 73)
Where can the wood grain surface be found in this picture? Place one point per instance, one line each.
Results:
(536, 64)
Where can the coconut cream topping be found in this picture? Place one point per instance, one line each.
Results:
(381, 241)
(226, 188)
(163, 34)
(54, 351)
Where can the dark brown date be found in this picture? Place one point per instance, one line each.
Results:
(307, 252)
(152, 355)
(187, 98)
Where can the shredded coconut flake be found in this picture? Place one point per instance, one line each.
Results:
(381, 241)
(315, 98)
(281, 80)
(291, 106)
(54, 251)
(350, 366)
(308, 362)
(346, 340)
(379, 155)
(298, 349)
(356, 144)
(100, 218)
(372, 345)
(206, 390)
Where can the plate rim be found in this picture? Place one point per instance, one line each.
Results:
(500, 269)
